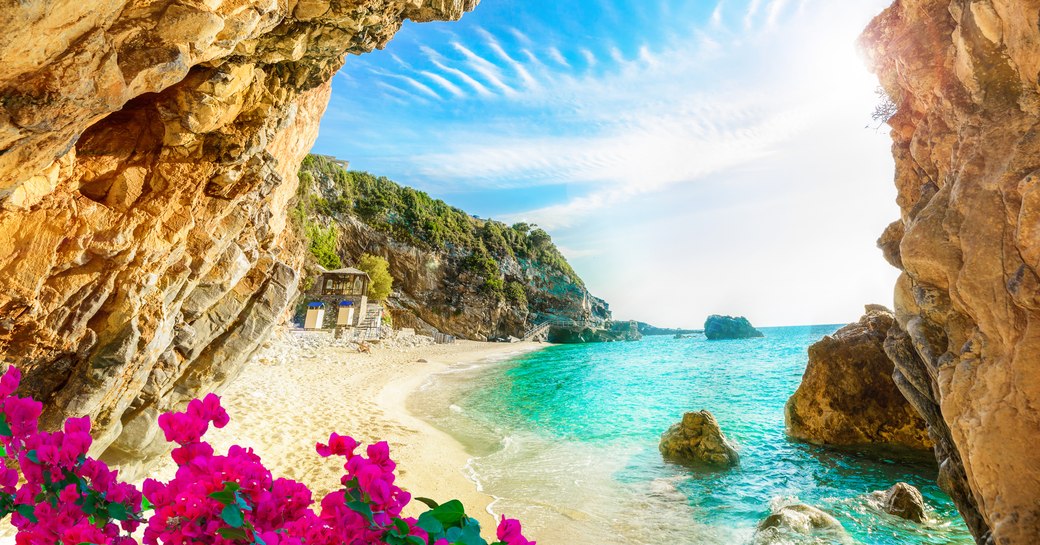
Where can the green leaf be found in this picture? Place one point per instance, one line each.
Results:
(257, 539)
(414, 540)
(117, 511)
(241, 502)
(449, 513)
(32, 456)
(5, 428)
(146, 505)
(232, 515)
(430, 523)
(232, 533)
(26, 511)
(429, 503)
(471, 536)
(400, 528)
(361, 507)
(226, 496)
(3, 452)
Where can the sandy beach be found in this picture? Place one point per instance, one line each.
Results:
(282, 406)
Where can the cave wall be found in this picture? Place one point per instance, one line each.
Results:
(148, 150)
(963, 76)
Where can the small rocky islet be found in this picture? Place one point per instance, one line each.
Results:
(719, 327)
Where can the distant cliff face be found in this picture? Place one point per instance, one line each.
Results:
(966, 140)
(460, 275)
(148, 150)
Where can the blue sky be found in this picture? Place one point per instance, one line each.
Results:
(688, 157)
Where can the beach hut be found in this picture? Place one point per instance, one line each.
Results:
(346, 314)
(344, 292)
(315, 315)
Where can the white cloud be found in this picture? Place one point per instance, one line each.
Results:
(716, 15)
(555, 55)
(490, 72)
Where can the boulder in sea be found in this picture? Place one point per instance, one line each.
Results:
(847, 395)
(718, 327)
(799, 523)
(697, 439)
(902, 500)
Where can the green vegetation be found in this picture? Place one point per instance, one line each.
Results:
(378, 270)
(322, 243)
(515, 293)
(414, 217)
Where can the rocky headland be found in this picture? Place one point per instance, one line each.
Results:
(453, 273)
(962, 80)
(718, 327)
(847, 395)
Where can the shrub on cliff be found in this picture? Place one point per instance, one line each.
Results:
(378, 270)
(414, 217)
(322, 243)
(515, 293)
(58, 494)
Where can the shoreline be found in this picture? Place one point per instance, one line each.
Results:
(393, 399)
(293, 396)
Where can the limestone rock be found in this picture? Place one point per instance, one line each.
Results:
(847, 395)
(148, 150)
(718, 327)
(966, 143)
(902, 500)
(790, 523)
(697, 439)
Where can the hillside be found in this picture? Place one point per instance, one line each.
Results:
(453, 272)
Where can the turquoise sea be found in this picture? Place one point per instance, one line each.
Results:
(566, 438)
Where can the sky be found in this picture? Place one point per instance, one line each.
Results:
(688, 157)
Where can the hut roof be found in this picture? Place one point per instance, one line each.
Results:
(348, 270)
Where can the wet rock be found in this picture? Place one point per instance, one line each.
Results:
(698, 440)
(904, 501)
(847, 395)
(791, 523)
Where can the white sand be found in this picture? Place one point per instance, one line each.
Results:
(281, 409)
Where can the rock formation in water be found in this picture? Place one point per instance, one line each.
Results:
(963, 80)
(469, 277)
(698, 440)
(649, 330)
(718, 327)
(902, 500)
(790, 523)
(148, 150)
(611, 332)
(847, 395)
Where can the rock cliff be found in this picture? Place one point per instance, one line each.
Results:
(847, 395)
(454, 273)
(962, 77)
(148, 150)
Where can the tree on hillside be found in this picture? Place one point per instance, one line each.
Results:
(378, 269)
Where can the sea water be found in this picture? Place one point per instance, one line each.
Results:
(566, 439)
